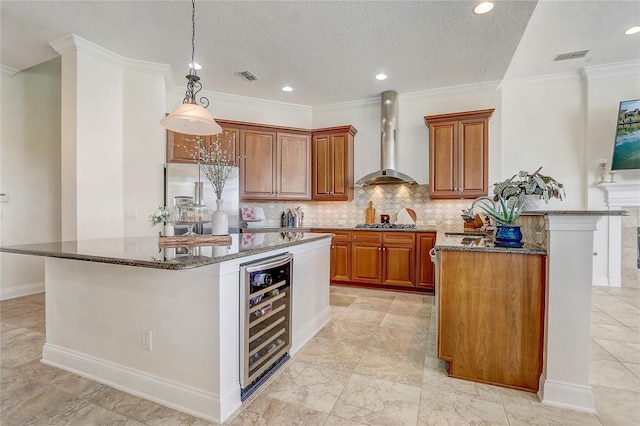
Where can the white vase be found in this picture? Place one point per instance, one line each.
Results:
(219, 221)
(169, 230)
(531, 203)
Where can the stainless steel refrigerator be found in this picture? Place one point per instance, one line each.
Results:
(182, 180)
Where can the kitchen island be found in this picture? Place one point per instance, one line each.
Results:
(164, 324)
(566, 236)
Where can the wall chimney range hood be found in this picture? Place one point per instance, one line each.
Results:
(388, 149)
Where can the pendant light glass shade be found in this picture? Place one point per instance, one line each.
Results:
(191, 119)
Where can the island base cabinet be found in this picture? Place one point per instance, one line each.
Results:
(491, 317)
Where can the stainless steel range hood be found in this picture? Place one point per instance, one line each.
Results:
(388, 149)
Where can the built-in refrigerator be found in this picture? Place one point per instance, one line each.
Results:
(187, 180)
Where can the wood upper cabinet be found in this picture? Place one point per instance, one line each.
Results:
(491, 316)
(182, 148)
(425, 271)
(458, 154)
(274, 165)
(332, 164)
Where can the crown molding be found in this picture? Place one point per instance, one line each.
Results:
(73, 42)
(8, 71)
(619, 69)
(486, 86)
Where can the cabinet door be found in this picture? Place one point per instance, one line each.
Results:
(443, 153)
(366, 263)
(340, 261)
(229, 140)
(398, 262)
(182, 148)
(293, 166)
(332, 159)
(472, 161)
(257, 164)
(425, 272)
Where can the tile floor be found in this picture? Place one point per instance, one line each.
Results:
(373, 364)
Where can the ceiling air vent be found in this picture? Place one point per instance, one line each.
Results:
(247, 75)
(571, 55)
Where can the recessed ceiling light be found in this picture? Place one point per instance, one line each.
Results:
(483, 7)
(287, 89)
(381, 77)
(633, 30)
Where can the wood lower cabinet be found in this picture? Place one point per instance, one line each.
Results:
(425, 270)
(491, 316)
(274, 165)
(458, 154)
(332, 164)
(341, 256)
(386, 258)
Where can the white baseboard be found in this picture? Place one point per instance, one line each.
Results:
(567, 395)
(22, 290)
(173, 395)
(309, 330)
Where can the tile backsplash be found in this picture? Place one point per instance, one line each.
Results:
(387, 199)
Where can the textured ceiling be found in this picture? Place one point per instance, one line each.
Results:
(330, 51)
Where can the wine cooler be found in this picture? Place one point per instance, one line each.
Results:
(265, 332)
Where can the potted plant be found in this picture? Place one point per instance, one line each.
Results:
(524, 186)
(508, 234)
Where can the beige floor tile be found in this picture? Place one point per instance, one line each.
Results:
(378, 402)
(410, 307)
(614, 332)
(622, 351)
(372, 303)
(124, 403)
(598, 352)
(362, 316)
(406, 367)
(264, 411)
(339, 421)
(41, 404)
(343, 356)
(343, 330)
(634, 368)
(443, 408)
(309, 386)
(337, 299)
(524, 408)
(613, 374)
(405, 322)
(336, 311)
(398, 340)
(165, 416)
(599, 317)
(443, 384)
(89, 414)
(19, 346)
(616, 407)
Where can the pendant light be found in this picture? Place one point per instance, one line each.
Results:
(191, 118)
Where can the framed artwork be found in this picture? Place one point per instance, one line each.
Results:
(626, 151)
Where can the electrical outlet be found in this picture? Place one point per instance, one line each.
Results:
(146, 340)
(131, 214)
(130, 247)
(342, 222)
(538, 237)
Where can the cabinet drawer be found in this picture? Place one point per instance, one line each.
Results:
(366, 236)
(400, 237)
(341, 235)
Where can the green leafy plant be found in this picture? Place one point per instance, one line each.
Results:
(506, 215)
(515, 189)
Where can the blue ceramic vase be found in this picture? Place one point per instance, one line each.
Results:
(508, 236)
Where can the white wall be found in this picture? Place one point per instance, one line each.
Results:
(30, 170)
(543, 125)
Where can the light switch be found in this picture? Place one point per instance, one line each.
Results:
(131, 214)
(4, 198)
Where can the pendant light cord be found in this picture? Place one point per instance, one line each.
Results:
(193, 33)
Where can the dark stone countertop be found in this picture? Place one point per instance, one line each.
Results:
(144, 251)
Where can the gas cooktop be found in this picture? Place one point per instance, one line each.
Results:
(386, 225)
